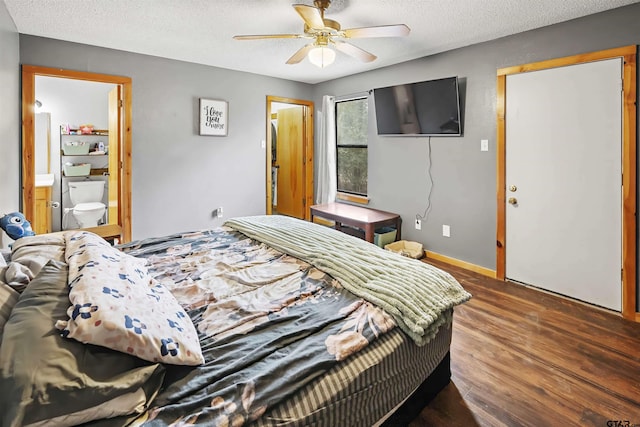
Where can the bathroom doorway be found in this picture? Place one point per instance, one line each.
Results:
(88, 111)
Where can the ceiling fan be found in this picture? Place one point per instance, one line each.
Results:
(326, 32)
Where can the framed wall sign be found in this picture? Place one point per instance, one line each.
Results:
(214, 117)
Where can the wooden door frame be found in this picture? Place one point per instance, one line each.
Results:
(629, 115)
(122, 230)
(307, 151)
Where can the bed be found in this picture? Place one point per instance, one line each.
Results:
(265, 321)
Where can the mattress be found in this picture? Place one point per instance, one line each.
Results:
(361, 391)
(279, 341)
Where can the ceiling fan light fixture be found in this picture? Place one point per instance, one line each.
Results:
(324, 31)
(322, 56)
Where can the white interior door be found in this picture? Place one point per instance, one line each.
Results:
(564, 157)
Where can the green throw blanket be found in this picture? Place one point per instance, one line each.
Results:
(416, 294)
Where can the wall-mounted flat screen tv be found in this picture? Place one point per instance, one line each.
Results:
(428, 108)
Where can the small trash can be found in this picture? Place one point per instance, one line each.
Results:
(406, 248)
(384, 235)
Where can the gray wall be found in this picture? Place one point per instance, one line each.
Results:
(9, 118)
(179, 177)
(464, 191)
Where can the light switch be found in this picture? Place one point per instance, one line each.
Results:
(484, 145)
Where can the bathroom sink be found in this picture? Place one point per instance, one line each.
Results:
(44, 180)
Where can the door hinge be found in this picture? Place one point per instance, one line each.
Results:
(120, 103)
(622, 274)
(304, 202)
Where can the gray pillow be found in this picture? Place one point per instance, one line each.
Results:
(8, 299)
(5, 256)
(75, 383)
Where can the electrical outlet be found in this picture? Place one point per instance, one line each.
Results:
(446, 231)
(217, 213)
(418, 224)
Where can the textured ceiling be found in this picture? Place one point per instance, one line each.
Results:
(201, 31)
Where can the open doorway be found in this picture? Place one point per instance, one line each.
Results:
(289, 157)
(105, 163)
(67, 144)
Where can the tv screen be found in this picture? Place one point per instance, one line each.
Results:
(429, 108)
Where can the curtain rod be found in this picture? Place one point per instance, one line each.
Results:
(351, 96)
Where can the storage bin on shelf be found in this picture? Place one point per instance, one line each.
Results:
(75, 148)
(384, 235)
(81, 169)
(406, 248)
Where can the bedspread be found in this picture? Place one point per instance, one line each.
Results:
(415, 293)
(268, 323)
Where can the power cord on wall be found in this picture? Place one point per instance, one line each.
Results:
(427, 210)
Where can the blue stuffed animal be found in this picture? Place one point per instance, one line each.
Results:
(16, 225)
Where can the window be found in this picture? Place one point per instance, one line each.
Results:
(351, 145)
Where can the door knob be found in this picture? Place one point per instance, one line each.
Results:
(513, 201)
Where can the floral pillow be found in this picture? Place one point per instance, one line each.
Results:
(116, 304)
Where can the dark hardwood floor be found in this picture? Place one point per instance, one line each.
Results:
(524, 357)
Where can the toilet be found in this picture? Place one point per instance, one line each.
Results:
(86, 198)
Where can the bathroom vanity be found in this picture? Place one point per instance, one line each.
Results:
(44, 183)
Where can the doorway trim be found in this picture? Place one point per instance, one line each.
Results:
(307, 153)
(629, 232)
(122, 230)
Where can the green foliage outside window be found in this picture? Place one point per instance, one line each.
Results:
(351, 139)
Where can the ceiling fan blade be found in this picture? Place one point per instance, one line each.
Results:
(399, 30)
(300, 54)
(311, 15)
(268, 36)
(354, 51)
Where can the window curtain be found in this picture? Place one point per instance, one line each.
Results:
(326, 152)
